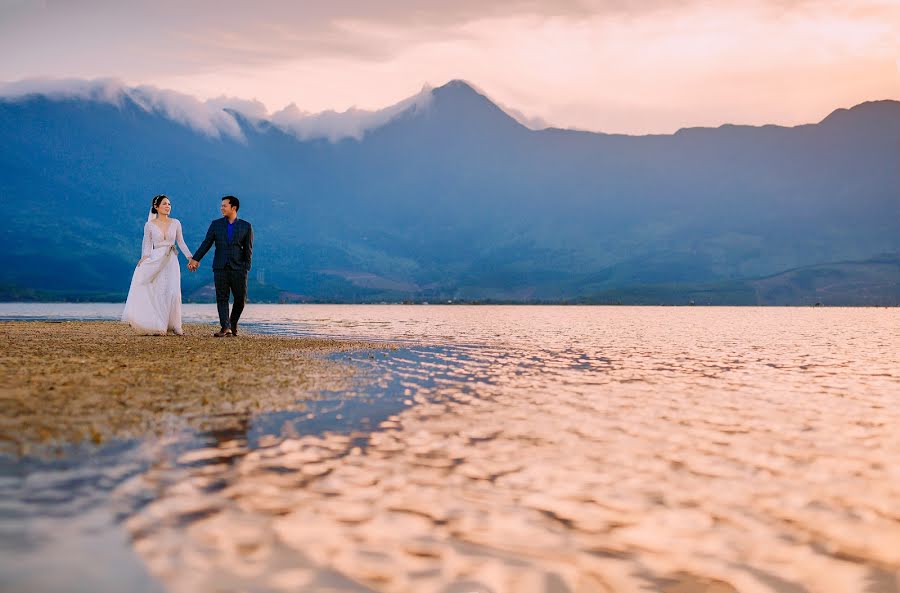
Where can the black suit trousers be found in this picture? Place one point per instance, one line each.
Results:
(232, 281)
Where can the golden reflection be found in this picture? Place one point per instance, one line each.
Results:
(663, 450)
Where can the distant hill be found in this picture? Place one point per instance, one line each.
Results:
(454, 199)
(874, 282)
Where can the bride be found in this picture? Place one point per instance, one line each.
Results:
(154, 299)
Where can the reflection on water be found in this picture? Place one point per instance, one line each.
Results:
(534, 449)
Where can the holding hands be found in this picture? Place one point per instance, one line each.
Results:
(193, 265)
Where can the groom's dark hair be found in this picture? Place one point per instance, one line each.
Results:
(233, 201)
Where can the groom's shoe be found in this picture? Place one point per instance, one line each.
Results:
(223, 332)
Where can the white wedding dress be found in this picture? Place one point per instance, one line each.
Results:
(154, 299)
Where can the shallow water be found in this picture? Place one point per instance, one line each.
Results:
(520, 449)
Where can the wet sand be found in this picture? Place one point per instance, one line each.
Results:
(71, 382)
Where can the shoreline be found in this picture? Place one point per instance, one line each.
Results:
(478, 303)
(70, 382)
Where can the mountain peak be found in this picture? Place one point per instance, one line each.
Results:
(458, 85)
(462, 101)
(460, 90)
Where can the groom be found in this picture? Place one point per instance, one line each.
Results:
(234, 249)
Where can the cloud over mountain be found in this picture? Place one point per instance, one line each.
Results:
(214, 117)
(207, 117)
(352, 123)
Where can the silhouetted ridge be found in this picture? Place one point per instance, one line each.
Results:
(886, 109)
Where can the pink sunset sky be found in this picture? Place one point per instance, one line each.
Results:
(645, 66)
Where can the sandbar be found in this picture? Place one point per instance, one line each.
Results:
(71, 382)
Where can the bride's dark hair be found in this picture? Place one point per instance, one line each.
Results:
(156, 201)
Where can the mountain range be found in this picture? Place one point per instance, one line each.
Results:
(453, 199)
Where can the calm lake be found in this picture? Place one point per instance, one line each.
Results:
(502, 449)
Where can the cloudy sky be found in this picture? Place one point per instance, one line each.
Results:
(632, 66)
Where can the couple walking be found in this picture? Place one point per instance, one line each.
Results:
(154, 299)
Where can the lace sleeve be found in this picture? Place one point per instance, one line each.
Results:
(147, 245)
(179, 238)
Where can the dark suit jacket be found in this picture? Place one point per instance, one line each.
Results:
(235, 255)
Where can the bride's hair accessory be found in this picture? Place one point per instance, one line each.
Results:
(157, 200)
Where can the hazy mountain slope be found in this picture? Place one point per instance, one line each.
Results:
(452, 200)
